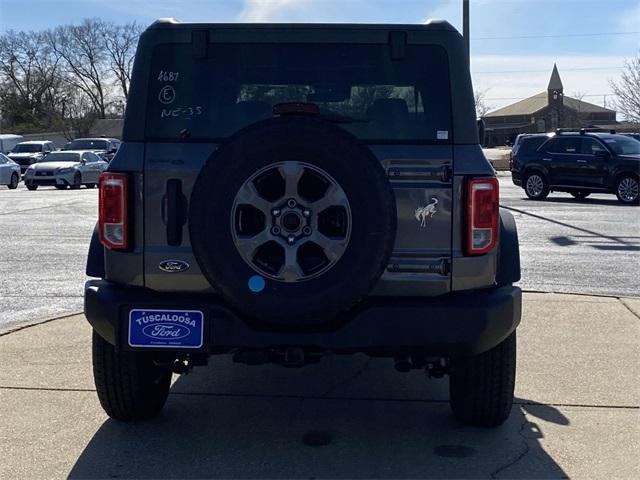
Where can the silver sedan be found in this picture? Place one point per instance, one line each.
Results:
(9, 172)
(62, 169)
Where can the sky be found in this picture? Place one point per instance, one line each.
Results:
(514, 43)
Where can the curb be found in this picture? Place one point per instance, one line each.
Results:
(38, 322)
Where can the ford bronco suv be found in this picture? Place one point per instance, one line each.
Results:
(285, 192)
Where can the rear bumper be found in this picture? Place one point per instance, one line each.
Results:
(461, 323)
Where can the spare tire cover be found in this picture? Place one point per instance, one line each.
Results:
(266, 233)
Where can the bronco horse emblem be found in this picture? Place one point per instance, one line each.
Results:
(428, 211)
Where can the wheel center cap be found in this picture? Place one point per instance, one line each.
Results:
(291, 221)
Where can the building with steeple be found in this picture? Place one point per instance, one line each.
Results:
(544, 112)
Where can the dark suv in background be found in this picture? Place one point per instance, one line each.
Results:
(579, 163)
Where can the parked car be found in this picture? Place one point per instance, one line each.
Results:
(28, 153)
(635, 136)
(64, 169)
(580, 163)
(306, 205)
(9, 172)
(8, 141)
(104, 147)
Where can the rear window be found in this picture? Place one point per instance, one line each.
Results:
(529, 144)
(358, 87)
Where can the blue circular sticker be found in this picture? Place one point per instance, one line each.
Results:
(256, 283)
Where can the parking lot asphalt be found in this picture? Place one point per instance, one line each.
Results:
(44, 237)
(576, 411)
(590, 246)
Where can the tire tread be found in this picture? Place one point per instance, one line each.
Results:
(481, 386)
(129, 386)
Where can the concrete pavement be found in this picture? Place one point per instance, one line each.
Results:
(576, 414)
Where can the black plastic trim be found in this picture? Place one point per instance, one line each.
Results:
(508, 269)
(95, 258)
(460, 323)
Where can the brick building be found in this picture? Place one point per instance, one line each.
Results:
(544, 112)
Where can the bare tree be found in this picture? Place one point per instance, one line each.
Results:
(77, 113)
(627, 90)
(479, 98)
(29, 68)
(120, 42)
(67, 77)
(83, 54)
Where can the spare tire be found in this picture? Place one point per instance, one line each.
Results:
(292, 221)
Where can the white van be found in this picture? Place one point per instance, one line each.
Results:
(8, 141)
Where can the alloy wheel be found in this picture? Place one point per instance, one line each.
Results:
(535, 185)
(628, 189)
(291, 221)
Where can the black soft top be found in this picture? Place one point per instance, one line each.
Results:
(200, 35)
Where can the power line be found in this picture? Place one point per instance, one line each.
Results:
(560, 35)
(546, 71)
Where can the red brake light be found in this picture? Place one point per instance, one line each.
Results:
(288, 108)
(482, 215)
(112, 211)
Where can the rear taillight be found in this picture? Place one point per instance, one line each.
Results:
(112, 211)
(482, 215)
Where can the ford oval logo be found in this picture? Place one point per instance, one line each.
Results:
(166, 331)
(173, 266)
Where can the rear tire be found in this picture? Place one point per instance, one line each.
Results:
(32, 187)
(13, 184)
(627, 190)
(536, 186)
(580, 195)
(481, 386)
(61, 187)
(130, 385)
(77, 181)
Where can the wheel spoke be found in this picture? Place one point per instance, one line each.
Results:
(247, 246)
(249, 195)
(291, 271)
(291, 173)
(333, 197)
(332, 247)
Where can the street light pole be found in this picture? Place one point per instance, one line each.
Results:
(465, 28)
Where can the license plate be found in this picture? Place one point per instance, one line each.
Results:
(166, 328)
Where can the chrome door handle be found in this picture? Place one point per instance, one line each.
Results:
(546, 159)
(582, 161)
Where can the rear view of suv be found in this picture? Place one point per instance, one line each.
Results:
(284, 192)
(580, 163)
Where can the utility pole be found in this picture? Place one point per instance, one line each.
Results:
(465, 28)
